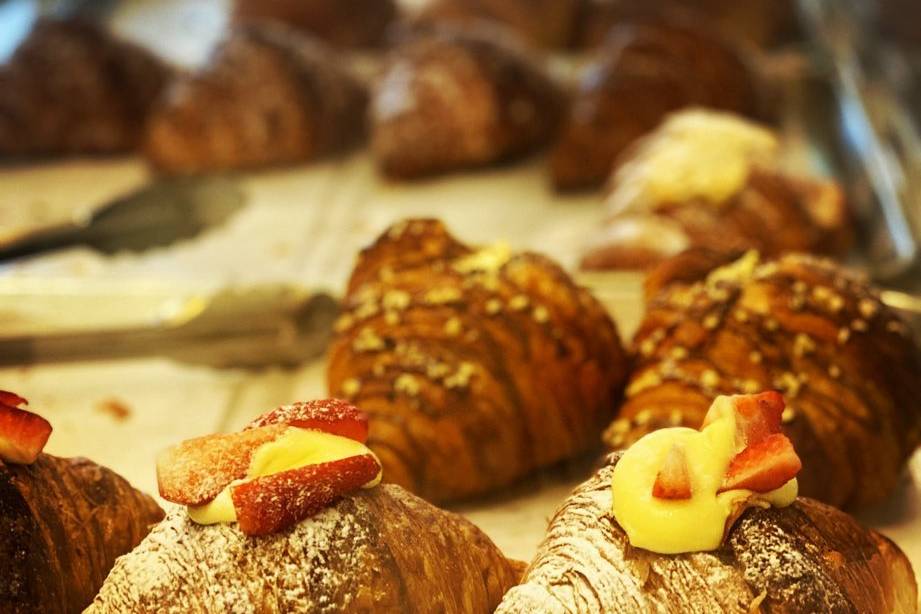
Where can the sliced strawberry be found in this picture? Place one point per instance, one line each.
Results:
(12, 399)
(764, 466)
(275, 502)
(673, 480)
(757, 416)
(332, 416)
(195, 471)
(23, 434)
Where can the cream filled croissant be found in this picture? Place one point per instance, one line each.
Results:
(287, 516)
(848, 365)
(476, 366)
(712, 180)
(707, 522)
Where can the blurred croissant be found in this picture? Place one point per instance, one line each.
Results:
(451, 99)
(73, 88)
(645, 71)
(847, 365)
(714, 181)
(345, 23)
(475, 366)
(268, 96)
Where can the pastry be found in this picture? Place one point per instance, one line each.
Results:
(726, 546)
(714, 181)
(63, 521)
(476, 366)
(645, 71)
(545, 23)
(268, 96)
(285, 516)
(344, 23)
(453, 99)
(847, 364)
(73, 88)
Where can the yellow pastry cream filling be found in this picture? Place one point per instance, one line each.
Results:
(673, 526)
(295, 448)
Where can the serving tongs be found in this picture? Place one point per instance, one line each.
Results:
(65, 320)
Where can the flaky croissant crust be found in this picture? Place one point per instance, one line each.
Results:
(806, 558)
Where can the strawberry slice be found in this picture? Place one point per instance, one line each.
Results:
(764, 466)
(674, 479)
(23, 434)
(332, 416)
(757, 416)
(275, 502)
(12, 399)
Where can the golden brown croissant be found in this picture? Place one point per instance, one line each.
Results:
(475, 367)
(846, 363)
(63, 522)
(268, 96)
(379, 550)
(71, 87)
(451, 99)
(645, 71)
(346, 23)
(713, 181)
(546, 23)
(805, 558)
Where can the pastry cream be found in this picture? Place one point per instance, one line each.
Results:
(295, 448)
(688, 525)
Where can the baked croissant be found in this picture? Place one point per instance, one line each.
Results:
(545, 23)
(63, 522)
(805, 558)
(714, 181)
(71, 88)
(475, 366)
(268, 96)
(345, 23)
(847, 364)
(451, 99)
(645, 71)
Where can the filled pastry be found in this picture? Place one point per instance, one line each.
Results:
(643, 72)
(287, 516)
(545, 23)
(344, 23)
(848, 365)
(63, 521)
(714, 181)
(73, 88)
(268, 96)
(709, 522)
(451, 99)
(476, 366)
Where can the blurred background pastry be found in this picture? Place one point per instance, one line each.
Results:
(713, 180)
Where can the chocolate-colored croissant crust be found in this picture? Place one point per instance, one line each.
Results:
(846, 363)
(802, 559)
(475, 366)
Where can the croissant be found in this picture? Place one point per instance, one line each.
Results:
(645, 71)
(71, 88)
(545, 23)
(451, 99)
(63, 522)
(847, 364)
(713, 181)
(344, 23)
(475, 366)
(268, 96)
(381, 550)
(805, 558)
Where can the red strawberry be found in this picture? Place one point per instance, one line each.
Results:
(763, 466)
(275, 502)
(23, 434)
(673, 480)
(757, 416)
(12, 399)
(332, 416)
